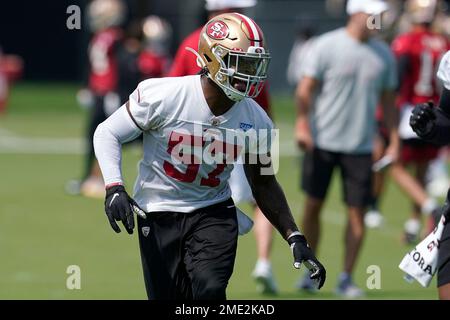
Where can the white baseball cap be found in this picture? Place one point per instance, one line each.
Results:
(372, 7)
(215, 5)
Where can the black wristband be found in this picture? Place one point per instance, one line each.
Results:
(297, 238)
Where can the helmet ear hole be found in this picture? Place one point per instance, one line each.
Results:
(207, 58)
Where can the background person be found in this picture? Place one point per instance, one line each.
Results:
(349, 72)
(105, 18)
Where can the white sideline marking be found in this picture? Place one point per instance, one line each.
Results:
(14, 144)
(11, 143)
(4, 132)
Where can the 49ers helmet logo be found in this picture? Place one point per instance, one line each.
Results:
(217, 30)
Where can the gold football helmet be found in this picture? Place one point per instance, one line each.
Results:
(233, 50)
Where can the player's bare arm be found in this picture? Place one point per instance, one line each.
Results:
(271, 199)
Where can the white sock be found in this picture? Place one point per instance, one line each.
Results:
(412, 226)
(429, 206)
(263, 263)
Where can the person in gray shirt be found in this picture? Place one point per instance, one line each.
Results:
(347, 72)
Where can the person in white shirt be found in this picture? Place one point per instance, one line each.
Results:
(346, 74)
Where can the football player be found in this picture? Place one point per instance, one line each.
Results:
(142, 53)
(418, 54)
(188, 239)
(185, 64)
(11, 68)
(105, 18)
(126, 53)
(433, 124)
(154, 60)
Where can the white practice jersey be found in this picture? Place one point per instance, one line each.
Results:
(189, 152)
(444, 70)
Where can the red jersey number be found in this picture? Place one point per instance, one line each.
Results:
(192, 169)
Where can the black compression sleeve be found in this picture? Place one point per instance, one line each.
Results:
(444, 103)
(441, 132)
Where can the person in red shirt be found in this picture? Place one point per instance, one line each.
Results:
(184, 64)
(142, 53)
(418, 54)
(11, 67)
(105, 18)
(154, 60)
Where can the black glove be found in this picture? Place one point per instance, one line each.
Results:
(422, 119)
(303, 254)
(119, 206)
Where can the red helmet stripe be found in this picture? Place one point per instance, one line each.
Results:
(258, 32)
(254, 30)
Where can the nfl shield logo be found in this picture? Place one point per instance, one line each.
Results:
(145, 231)
(245, 126)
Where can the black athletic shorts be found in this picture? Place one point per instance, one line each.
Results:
(189, 255)
(444, 258)
(356, 173)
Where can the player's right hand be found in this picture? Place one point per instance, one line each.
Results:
(422, 119)
(303, 254)
(119, 206)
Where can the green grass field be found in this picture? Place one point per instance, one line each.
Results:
(43, 230)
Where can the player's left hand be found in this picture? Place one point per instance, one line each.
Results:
(119, 206)
(303, 254)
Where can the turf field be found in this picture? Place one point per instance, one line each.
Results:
(43, 230)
